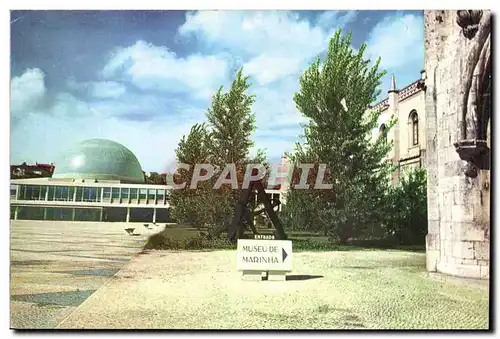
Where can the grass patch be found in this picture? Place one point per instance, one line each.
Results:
(163, 241)
(180, 237)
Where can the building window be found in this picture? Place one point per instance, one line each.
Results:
(106, 192)
(13, 191)
(382, 131)
(71, 193)
(52, 192)
(115, 193)
(160, 195)
(43, 192)
(133, 193)
(90, 194)
(62, 193)
(143, 194)
(413, 121)
(125, 194)
(35, 193)
(79, 194)
(151, 194)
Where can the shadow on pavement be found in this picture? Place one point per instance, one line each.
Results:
(302, 277)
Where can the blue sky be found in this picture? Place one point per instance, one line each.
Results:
(143, 78)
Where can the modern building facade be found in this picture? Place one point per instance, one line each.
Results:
(409, 136)
(98, 180)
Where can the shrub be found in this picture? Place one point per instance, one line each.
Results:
(407, 208)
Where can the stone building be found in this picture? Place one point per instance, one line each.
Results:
(457, 105)
(407, 105)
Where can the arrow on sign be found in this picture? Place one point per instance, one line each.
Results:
(283, 254)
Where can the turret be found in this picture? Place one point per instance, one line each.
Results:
(393, 102)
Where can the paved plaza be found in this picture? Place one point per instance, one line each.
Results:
(94, 276)
(56, 265)
(328, 290)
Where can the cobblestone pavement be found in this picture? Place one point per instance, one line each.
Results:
(327, 290)
(55, 266)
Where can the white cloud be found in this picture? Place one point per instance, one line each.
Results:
(274, 43)
(27, 91)
(398, 40)
(46, 130)
(268, 68)
(274, 48)
(156, 67)
(153, 142)
(327, 18)
(107, 89)
(99, 89)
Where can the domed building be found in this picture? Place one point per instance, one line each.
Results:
(96, 180)
(100, 159)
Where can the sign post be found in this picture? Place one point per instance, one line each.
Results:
(274, 257)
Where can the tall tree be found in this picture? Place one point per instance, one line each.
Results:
(232, 122)
(193, 149)
(225, 139)
(335, 95)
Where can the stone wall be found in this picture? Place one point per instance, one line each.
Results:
(458, 239)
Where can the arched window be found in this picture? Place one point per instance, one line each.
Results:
(413, 122)
(383, 131)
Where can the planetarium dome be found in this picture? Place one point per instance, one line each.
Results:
(99, 159)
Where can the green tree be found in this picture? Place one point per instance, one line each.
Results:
(225, 139)
(232, 122)
(193, 149)
(407, 208)
(335, 95)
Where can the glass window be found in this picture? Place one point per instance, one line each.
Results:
(70, 191)
(160, 195)
(29, 193)
(143, 193)
(89, 194)
(106, 192)
(133, 193)
(79, 193)
(13, 191)
(86, 194)
(383, 132)
(125, 193)
(98, 194)
(115, 192)
(43, 191)
(93, 193)
(414, 127)
(35, 194)
(151, 194)
(415, 131)
(22, 192)
(62, 193)
(52, 190)
(20, 196)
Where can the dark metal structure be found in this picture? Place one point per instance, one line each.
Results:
(243, 216)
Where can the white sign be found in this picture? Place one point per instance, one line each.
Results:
(264, 255)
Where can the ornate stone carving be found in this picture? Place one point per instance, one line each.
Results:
(469, 21)
(476, 102)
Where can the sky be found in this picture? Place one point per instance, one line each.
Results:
(143, 78)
